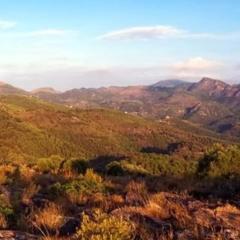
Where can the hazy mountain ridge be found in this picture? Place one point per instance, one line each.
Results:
(45, 90)
(171, 83)
(208, 102)
(211, 103)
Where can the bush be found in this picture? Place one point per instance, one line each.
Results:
(115, 169)
(105, 227)
(76, 165)
(51, 164)
(158, 164)
(86, 184)
(220, 161)
(6, 214)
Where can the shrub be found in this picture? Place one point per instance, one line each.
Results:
(55, 190)
(105, 227)
(76, 165)
(115, 169)
(86, 184)
(50, 164)
(220, 161)
(125, 168)
(5, 171)
(79, 189)
(6, 213)
(158, 164)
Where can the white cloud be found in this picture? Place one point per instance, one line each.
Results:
(164, 31)
(65, 73)
(197, 63)
(4, 25)
(198, 67)
(159, 31)
(49, 32)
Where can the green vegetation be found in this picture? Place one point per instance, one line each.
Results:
(33, 129)
(87, 184)
(105, 227)
(102, 174)
(220, 161)
(49, 164)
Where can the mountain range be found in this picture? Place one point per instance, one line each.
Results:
(209, 103)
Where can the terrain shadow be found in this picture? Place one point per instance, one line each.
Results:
(170, 149)
(99, 163)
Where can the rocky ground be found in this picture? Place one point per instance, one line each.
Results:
(170, 216)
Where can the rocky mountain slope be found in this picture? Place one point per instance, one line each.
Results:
(209, 103)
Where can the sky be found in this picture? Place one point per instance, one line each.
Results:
(93, 43)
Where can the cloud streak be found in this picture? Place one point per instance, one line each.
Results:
(159, 31)
(5, 25)
(162, 32)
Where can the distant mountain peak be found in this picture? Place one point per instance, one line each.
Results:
(209, 85)
(207, 80)
(7, 89)
(2, 83)
(45, 90)
(169, 83)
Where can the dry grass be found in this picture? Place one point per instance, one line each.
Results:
(49, 218)
(76, 199)
(136, 194)
(29, 192)
(27, 173)
(105, 202)
(3, 222)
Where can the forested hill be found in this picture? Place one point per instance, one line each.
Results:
(32, 128)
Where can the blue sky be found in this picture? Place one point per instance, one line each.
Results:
(92, 43)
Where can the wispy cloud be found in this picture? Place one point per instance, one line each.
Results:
(197, 63)
(49, 32)
(4, 25)
(143, 33)
(197, 67)
(163, 31)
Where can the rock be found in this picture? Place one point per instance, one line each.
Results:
(15, 235)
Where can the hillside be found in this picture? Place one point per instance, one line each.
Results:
(59, 164)
(7, 89)
(33, 128)
(209, 102)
